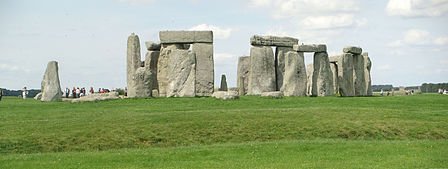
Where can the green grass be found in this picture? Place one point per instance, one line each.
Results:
(334, 132)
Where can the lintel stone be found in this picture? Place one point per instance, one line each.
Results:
(258, 40)
(310, 48)
(353, 50)
(186, 37)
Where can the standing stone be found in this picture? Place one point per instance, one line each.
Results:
(262, 70)
(205, 74)
(51, 87)
(359, 75)
(243, 75)
(345, 75)
(322, 75)
(334, 70)
(162, 66)
(309, 79)
(151, 60)
(368, 81)
(280, 53)
(223, 86)
(142, 80)
(133, 61)
(294, 81)
(181, 74)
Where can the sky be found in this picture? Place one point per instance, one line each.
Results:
(407, 40)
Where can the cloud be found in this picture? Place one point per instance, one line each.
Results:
(218, 33)
(441, 41)
(417, 8)
(260, 3)
(12, 68)
(137, 2)
(418, 37)
(327, 22)
(224, 57)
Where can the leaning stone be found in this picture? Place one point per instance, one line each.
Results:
(205, 72)
(186, 37)
(322, 75)
(181, 74)
(368, 79)
(38, 96)
(294, 81)
(258, 40)
(262, 70)
(223, 86)
(51, 87)
(162, 66)
(280, 53)
(225, 95)
(276, 94)
(353, 50)
(310, 48)
(152, 46)
(345, 75)
(243, 75)
(359, 75)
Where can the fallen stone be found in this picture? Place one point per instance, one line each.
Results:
(96, 97)
(38, 96)
(322, 75)
(310, 48)
(276, 94)
(243, 75)
(345, 75)
(186, 37)
(280, 53)
(262, 70)
(152, 46)
(225, 95)
(205, 71)
(294, 81)
(258, 40)
(51, 87)
(181, 74)
(223, 86)
(353, 50)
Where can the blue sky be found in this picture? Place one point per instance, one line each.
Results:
(407, 40)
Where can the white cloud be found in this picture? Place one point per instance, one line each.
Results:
(224, 57)
(327, 22)
(385, 67)
(441, 40)
(12, 68)
(417, 8)
(218, 33)
(260, 3)
(137, 2)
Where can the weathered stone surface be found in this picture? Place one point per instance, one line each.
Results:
(359, 75)
(186, 36)
(335, 59)
(334, 70)
(162, 66)
(243, 75)
(133, 60)
(152, 46)
(309, 79)
(51, 87)
(151, 60)
(322, 84)
(143, 80)
(262, 70)
(223, 86)
(280, 53)
(97, 97)
(258, 40)
(276, 94)
(181, 74)
(353, 50)
(225, 95)
(155, 93)
(368, 79)
(345, 75)
(294, 81)
(310, 48)
(205, 72)
(38, 96)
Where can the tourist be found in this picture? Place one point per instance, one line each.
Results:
(74, 92)
(440, 91)
(382, 92)
(78, 92)
(91, 90)
(67, 92)
(445, 91)
(24, 92)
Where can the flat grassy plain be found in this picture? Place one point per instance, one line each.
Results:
(252, 132)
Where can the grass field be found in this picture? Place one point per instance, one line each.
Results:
(252, 132)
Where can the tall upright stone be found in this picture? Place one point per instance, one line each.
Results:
(162, 66)
(133, 61)
(182, 75)
(334, 71)
(243, 75)
(205, 74)
(322, 84)
(151, 60)
(345, 75)
(280, 53)
(51, 87)
(359, 75)
(368, 79)
(223, 86)
(262, 70)
(294, 79)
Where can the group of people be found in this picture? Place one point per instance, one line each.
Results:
(78, 92)
(442, 91)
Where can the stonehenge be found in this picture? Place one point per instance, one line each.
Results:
(182, 65)
(51, 86)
